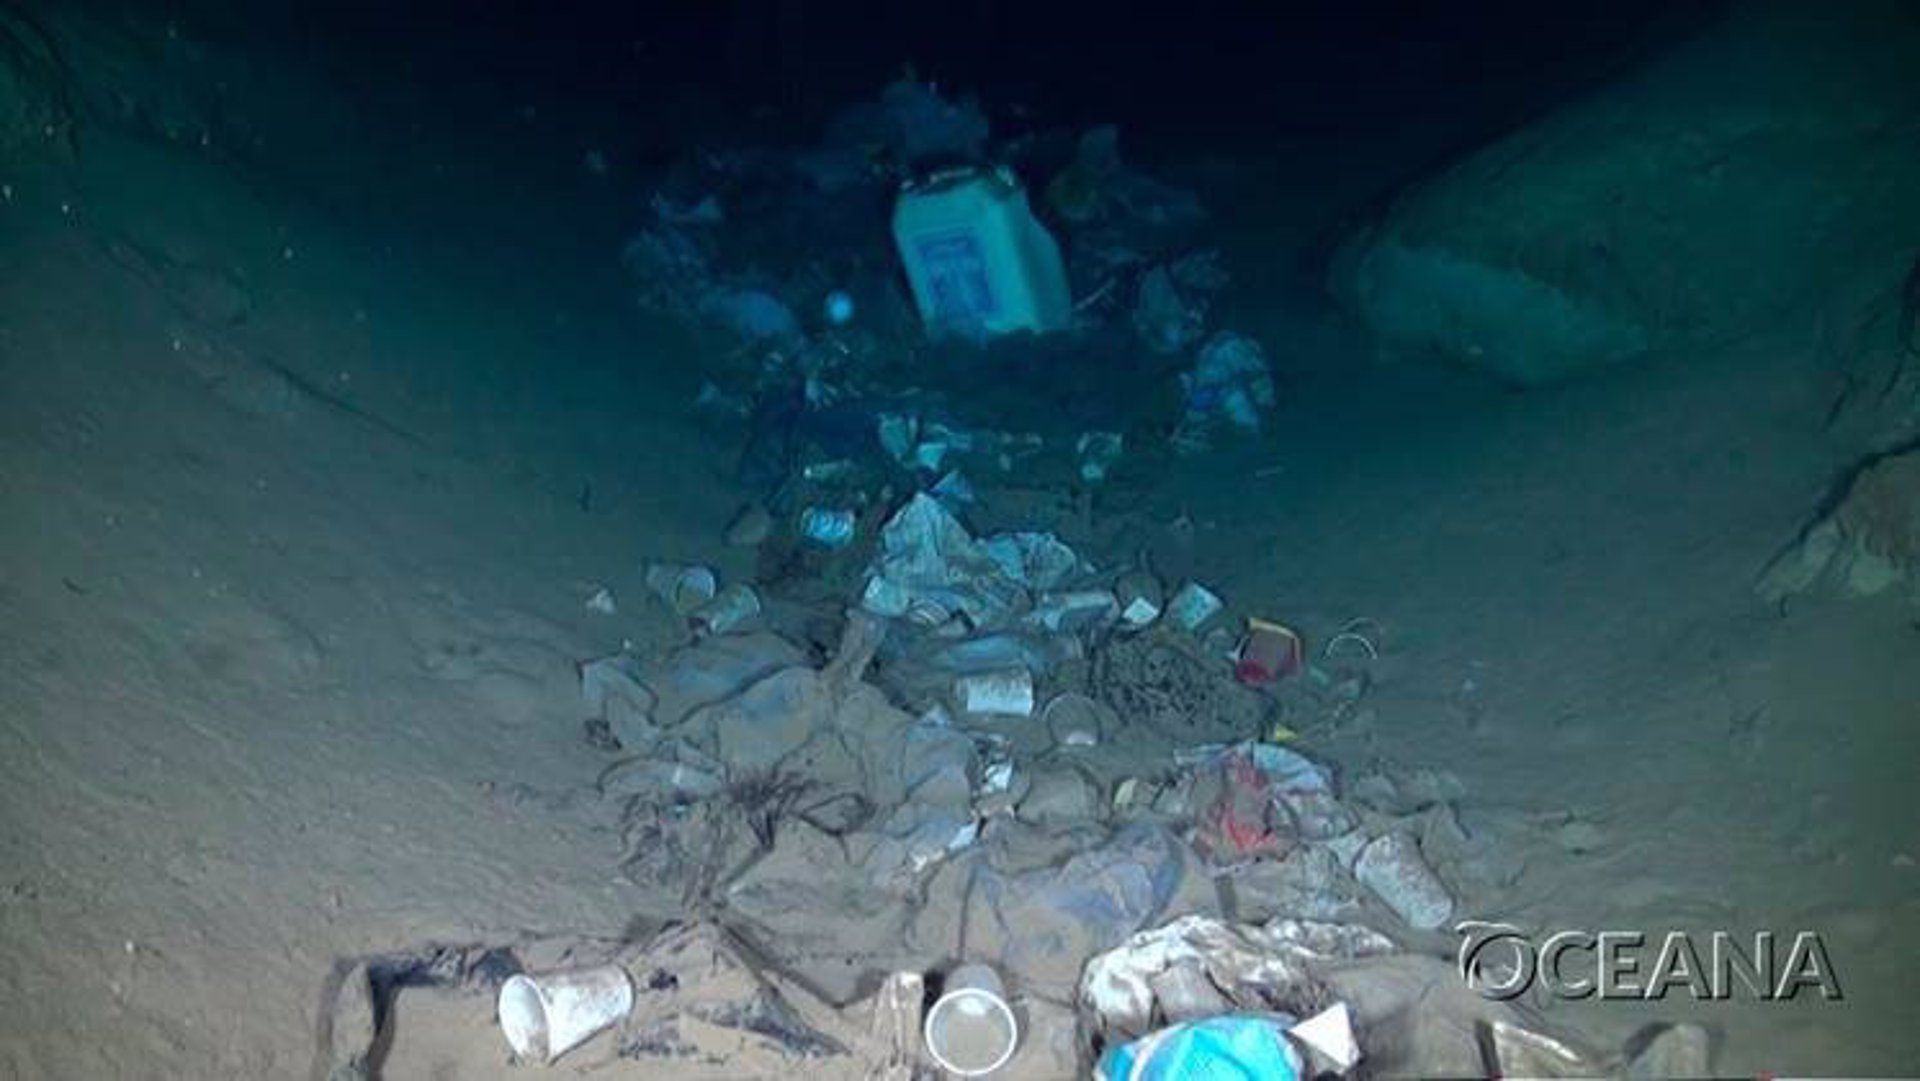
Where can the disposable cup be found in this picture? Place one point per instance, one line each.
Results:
(828, 527)
(684, 587)
(548, 1015)
(971, 1031)
(1075, 720)
(732, 607)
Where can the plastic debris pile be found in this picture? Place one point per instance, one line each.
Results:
(1067, 816)
(787, 255)
(1071, 775)
(1057, 813)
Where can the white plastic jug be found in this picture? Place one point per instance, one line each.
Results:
(977, 259)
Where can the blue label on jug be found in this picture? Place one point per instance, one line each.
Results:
(955, 274)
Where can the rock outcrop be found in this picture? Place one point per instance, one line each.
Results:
(1867, 543)
(1728, 182)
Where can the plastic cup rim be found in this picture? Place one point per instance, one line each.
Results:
(996, 1004)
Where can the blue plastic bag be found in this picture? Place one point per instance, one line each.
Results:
(1231, 1047)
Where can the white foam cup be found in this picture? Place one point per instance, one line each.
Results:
(971, 1031)
(548, 1015)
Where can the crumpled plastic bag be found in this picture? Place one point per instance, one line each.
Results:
(927, 559)
(671, 269)
(1166, 320)
(1229, 387)
(1042, 924)
(704, 1006)
(1199, 966)
(675, 273)
(1039, 561)
(924, 127)
(1256, 799)
(1413, 1014)
(753, 314)
(1228, 1046)
(700, 990)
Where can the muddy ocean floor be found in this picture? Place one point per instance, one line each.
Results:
(300, 510)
